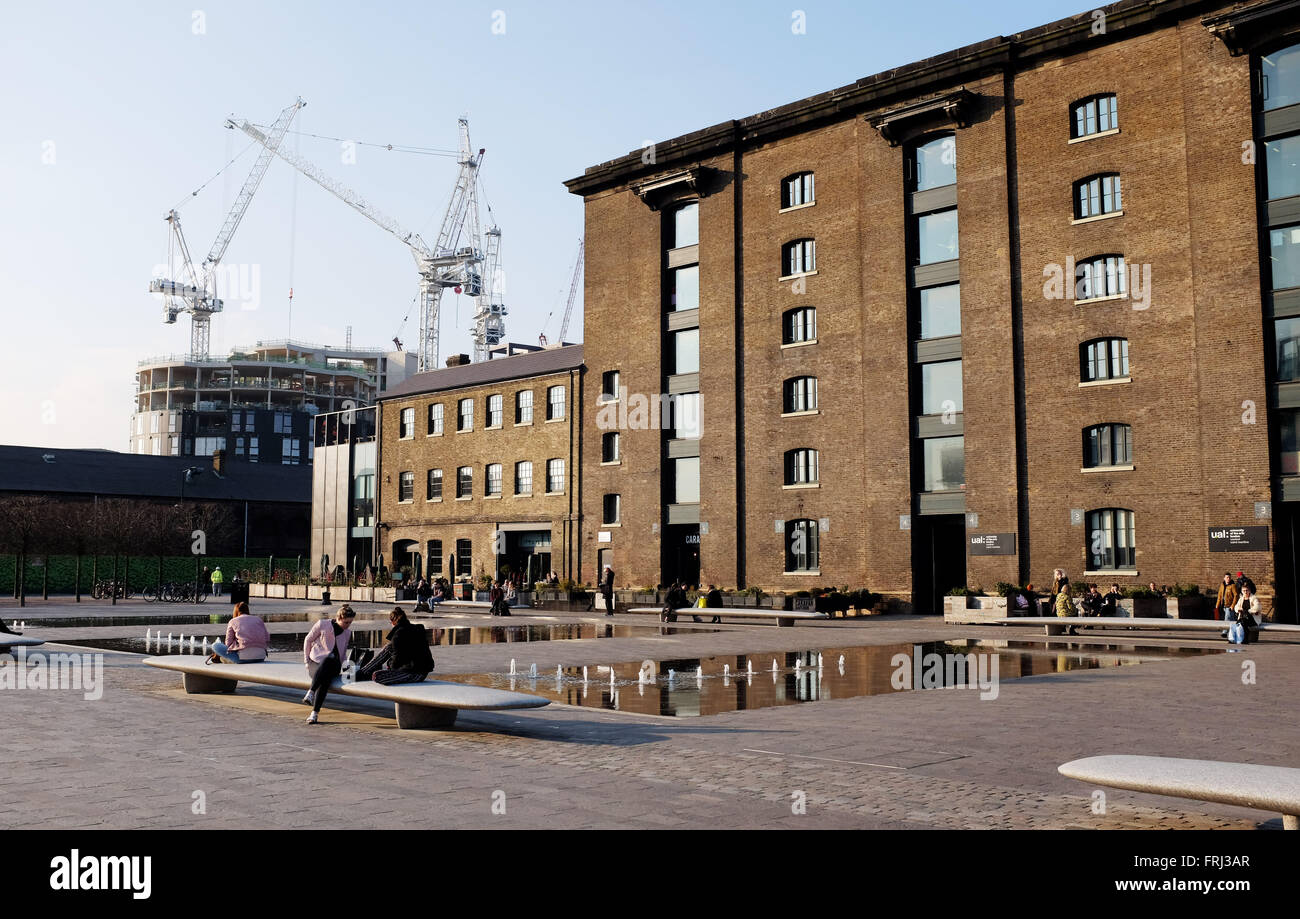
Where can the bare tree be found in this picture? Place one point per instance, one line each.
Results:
(24, 528)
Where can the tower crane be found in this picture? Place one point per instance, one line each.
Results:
(196, 293)
(489, 321)
(454, 260)
(573, 295)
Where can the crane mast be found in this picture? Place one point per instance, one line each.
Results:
(573, 290)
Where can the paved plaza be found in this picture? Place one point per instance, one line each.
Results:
(925, 759)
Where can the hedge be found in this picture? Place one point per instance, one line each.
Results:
(143, 570)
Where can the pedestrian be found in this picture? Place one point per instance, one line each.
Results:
(1151, 586)
(675, 600)
(607, 590)
(498, 598)
(1092, 602)
(217, 579)
(406, 657)
(1110, 602)
(1226, 600)
(422, 594)
(713, 600)
(246, 642)
(1246, 627)
(1064, 605)
(323, 652)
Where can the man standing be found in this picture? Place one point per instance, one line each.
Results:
(217, 579)
(607, 590)
(1226, 601)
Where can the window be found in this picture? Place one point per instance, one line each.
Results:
(291, 451)
(1110, 540)
(153, 423)
(554, 403)
(1094, 115)
(798, 257)
(685, 422)
(686, 351)
(609, 447)
(937, 237)
(465, 481)
(941, 388)
(686, 288)
(435, 556)
(609, 386)
(524, 406)
(797, 190)
(1286, 333)
(495, 412)
(252, 450)
(493, 479)
(1096, 196)
(686, 226)
(1289, 441)
(1284, 254)
(943, 461)
(941, 311)
(936, 163)
(433, 490)
(1107, 445)
(554, 476)
(1280, 72)
(686, 480)
(171, 422)
(799, 325)
(174, 445)
(435, 418)
(205, 446)
(406, 426)
(1104, 359)
(800, 395)
(157, 446)
(464, 557)
(1283, 158)
(406, 486)
(283, 421)
(1100, 276)
(801, 545)
(611, 510)
(801, 467)
(524, 478)
(465, 415)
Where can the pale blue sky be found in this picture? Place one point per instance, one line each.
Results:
(112, 113)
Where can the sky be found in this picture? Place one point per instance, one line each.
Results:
(112, 113)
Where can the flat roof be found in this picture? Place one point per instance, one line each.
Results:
(514, 367)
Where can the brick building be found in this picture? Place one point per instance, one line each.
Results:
(1028, 304)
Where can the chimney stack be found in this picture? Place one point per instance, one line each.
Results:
(458, 360)
(219, 462)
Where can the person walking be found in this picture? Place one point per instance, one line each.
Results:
(217, 580)
(1064, 605)
(607, 590)
(323, 651)
(246, 641)
(675, 600)
(1226, 601)
(713, 600)
(406, 657)
(1246, 627)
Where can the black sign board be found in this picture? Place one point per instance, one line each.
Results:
(992, 543)
(1238, 539)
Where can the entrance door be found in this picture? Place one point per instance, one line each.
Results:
(938, 559)
(682, 553)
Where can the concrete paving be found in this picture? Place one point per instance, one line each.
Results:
(141, 755)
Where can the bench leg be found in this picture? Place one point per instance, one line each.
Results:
(412, 717)
(196, 682)
(1291, 821)
(784, 622)
(1054, 628)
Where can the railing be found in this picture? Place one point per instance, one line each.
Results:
(287, 343)
(238, 357)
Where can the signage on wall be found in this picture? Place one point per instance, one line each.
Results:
(904, 521)
(1238, 539)
(803, 604)
(603, 536)
(692, 539)
(992, 543)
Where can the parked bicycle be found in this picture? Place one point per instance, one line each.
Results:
(174, 593)
(106, 589)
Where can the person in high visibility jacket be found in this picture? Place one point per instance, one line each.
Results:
(217, 579)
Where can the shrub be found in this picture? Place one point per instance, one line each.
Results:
(1138, 593)
(1005, 589)
(1184, 590)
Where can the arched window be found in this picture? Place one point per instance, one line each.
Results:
(1097, 195)
(1107, 445)
(798, 257)
(1094, 115)
(799, 325)
(1103, 359)
(1110, 539)
(934, 163)
(801, 549)
(801, 467)
(1100, 276)
(797, 190)
(799, 395)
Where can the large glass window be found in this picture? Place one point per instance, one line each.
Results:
(801, 467)
(944, 463)
(1282, 157)
(495, 412)
(524, 406)
(798, 257)
(686, 288)
(1097, 195)
(1107, 445)
(937, 237)
(465, 482)
(464, 557)
(936, 163)
(1289, 428)
(686, 480)
(941, 388)
(465, 415)
(1110, 540)
(493, 479)
(686, 420)
(800, 395)
(686, 351)
(1104, 359)
(554, 403)
(406, 486)
(554, 476)
(798, 325)
(686, 226)
(801, 549)
(941, 311)
(797, 189)
(524, 478)
(407, 425)
(1100, 276)
(1281, 77)
(435, 556)
(1287, 334)
(1284, 256)
(435, 418)
(1092, 116)
(433, 487)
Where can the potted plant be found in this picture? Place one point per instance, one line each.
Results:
(1185, 601)
(1147, 604)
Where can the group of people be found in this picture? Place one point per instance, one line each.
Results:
(1237, 604)
(429, 594)
(405, 658)
(676, 599)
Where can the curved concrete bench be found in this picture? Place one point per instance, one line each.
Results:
(783, 617)
(17, 641)
(1055, 625)
(1270, 788)
(431, 704)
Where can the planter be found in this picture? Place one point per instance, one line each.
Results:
(1150, 607)
(257, 590)
(296, 591)
(315, 591)
(1193, 607)
(987, 603)
(275, 591)
(645, 599)
(482, 596)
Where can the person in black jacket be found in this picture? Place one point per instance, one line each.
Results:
(713, 600)
(406, 657)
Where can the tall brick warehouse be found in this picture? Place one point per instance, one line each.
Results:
(1025, 305)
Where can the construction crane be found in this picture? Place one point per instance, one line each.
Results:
(455, 260)
(196, 293)
(573, 296)
(489, 320)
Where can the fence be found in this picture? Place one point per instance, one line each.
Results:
(138, 571)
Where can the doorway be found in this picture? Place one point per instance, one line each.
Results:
(938, 559)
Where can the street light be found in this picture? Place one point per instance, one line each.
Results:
(188, 475)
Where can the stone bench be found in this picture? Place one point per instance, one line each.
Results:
(431, 704)
(1270, 788)
(783, 617)
(1055, 625)
(18, 641)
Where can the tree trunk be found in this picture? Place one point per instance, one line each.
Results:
(16, 575)
(76, 588)
(112, 590)
(22, 579)
(45, 578)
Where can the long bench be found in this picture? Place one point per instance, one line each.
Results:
(431, 704)
(1056, 625)
(1270, 788)
(783, 617)
(17, 641)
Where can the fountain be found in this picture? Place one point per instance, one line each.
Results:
(774, 666)
(726, 671)
(584, 675)
(749, 667)
(532, 671)
(699, 673)
(169, 642)
(646, 675)
(559, 673)
(513, 670)
(820, 662)
(672, 675)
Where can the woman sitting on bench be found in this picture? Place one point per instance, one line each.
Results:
(246, 639)
(406, 657)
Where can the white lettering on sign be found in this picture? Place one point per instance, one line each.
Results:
(692, 539)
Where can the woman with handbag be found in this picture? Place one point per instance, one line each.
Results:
(324, 650)
(1246, 628)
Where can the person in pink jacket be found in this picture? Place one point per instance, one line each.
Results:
(323, 651)
(246, 639)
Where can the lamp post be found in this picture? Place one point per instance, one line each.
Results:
(189, 472)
